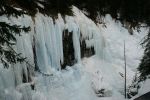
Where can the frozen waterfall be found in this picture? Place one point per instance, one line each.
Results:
(46, 37)
(49, 45)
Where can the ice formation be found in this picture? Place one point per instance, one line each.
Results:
(73, 83)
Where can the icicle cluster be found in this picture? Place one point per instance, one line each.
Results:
(46, 37)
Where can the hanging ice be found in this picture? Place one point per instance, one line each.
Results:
(48, 39)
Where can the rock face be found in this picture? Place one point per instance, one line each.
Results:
(68, 50)
(144, 97)
(86, 52)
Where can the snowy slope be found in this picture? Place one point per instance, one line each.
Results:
(104, 70)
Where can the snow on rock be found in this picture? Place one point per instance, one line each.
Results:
(145, 87)
(90, 32)
(115, 35)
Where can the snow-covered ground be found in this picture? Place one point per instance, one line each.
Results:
(103, 72)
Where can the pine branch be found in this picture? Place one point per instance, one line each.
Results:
(7, 35)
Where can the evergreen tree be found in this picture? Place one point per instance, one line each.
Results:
(7, 35)
(53, 7)
(144, 67)
(31, 6)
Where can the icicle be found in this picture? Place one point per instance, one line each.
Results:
(90, 33)
(73, 27)
(49, 46)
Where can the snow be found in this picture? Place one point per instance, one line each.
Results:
(82, 81)
(145, 87)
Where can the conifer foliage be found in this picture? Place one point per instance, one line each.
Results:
(48, 7)
(144, 67)
(7, 35)
(58, 6)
